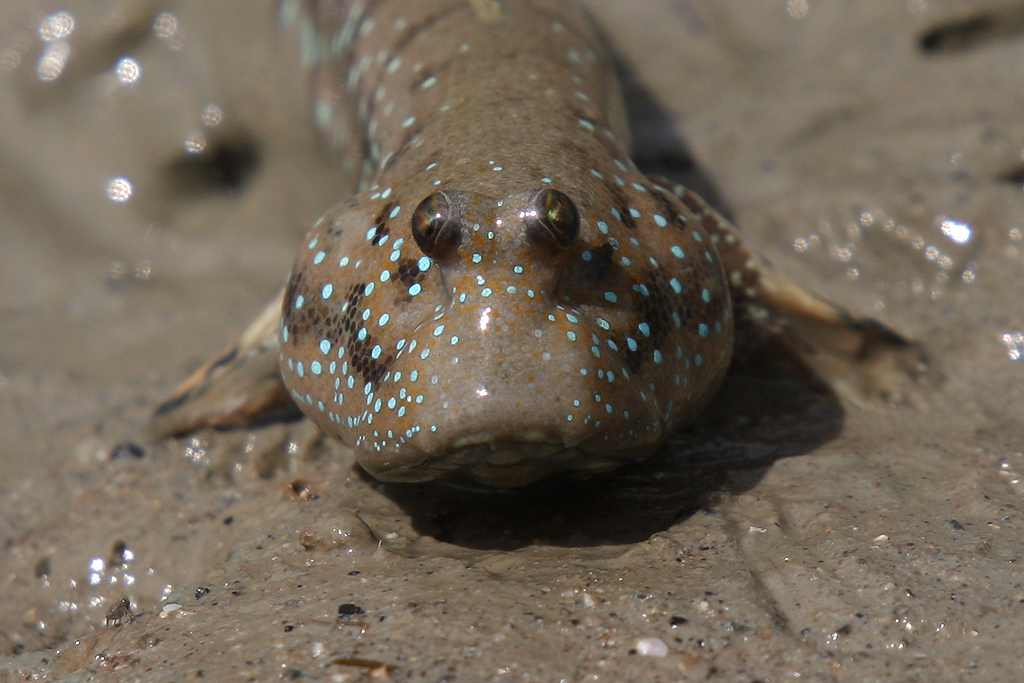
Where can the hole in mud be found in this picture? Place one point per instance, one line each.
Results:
(1013, 175)
(224, 167)
(967, 33)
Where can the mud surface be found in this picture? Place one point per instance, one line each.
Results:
(872, 149)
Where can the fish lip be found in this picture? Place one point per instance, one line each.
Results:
(497, 462)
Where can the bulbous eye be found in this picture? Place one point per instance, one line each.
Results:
(552, 220)
(435, 229)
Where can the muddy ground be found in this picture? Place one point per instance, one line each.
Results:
(873, 150)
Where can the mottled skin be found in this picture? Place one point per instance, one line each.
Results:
(506, 358)
(567, 313)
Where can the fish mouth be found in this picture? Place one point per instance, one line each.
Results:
(501, 463)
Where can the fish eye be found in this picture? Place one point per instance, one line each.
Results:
(434, 227)
(552, 220)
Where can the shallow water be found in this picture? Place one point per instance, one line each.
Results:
(874, 151)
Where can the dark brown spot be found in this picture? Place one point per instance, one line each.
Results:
(668, 206)
(409, 272)
(599, 269)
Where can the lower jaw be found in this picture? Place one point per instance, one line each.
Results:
(509, 466)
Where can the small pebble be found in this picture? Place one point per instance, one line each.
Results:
(651, 647)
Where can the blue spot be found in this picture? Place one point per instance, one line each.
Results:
(660, 221)
(603, 227)
(424, 263)
(611, 297)
(677, 287)
(657, 356)
(325, 346)
(415, 289)
(299, 300)
(635, 213)
(319, 258)
(703, 330)
(327, 291)
(645, 329)
(315, 367)
(383, 320)
(706, 295)
(677, 251)
(571, 335)
(368, 289)
(698, 360)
